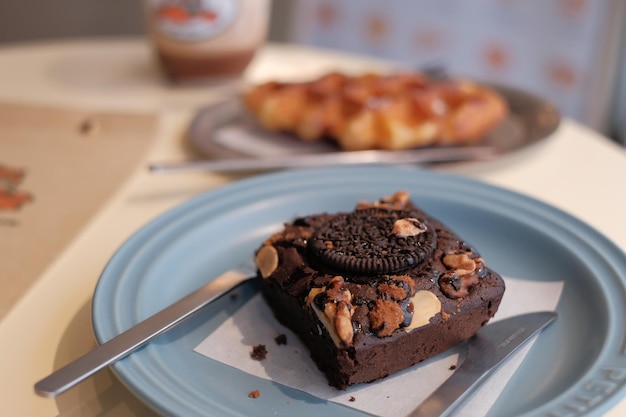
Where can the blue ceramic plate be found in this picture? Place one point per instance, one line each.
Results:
(577, 367)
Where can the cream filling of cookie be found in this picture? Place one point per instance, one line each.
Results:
(426, 305)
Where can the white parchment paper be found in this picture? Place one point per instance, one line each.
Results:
(397, 395)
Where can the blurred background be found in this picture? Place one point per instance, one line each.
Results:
(571, 52)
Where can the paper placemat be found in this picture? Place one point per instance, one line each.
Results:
(394, 396)
(57, 168)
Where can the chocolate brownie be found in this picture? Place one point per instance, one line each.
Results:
(376, 290)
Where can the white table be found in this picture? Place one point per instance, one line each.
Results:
(576, 170)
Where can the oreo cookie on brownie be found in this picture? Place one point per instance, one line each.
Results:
(376, 290)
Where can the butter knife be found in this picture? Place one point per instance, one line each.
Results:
(137, 336)
(491, 346)
(372, 157)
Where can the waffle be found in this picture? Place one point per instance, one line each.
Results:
(373, 111)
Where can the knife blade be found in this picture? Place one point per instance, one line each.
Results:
(137, 336)
(489, 348)
(371, 157)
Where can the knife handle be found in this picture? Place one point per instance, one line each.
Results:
(132, 339)
(451, 393)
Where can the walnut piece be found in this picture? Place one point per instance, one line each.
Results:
(460, 262)
(343, 322)
(338, 310)
(463, 273)
(398, 201)
(408, 227)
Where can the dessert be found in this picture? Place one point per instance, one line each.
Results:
(374, 111)
(376, 290)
